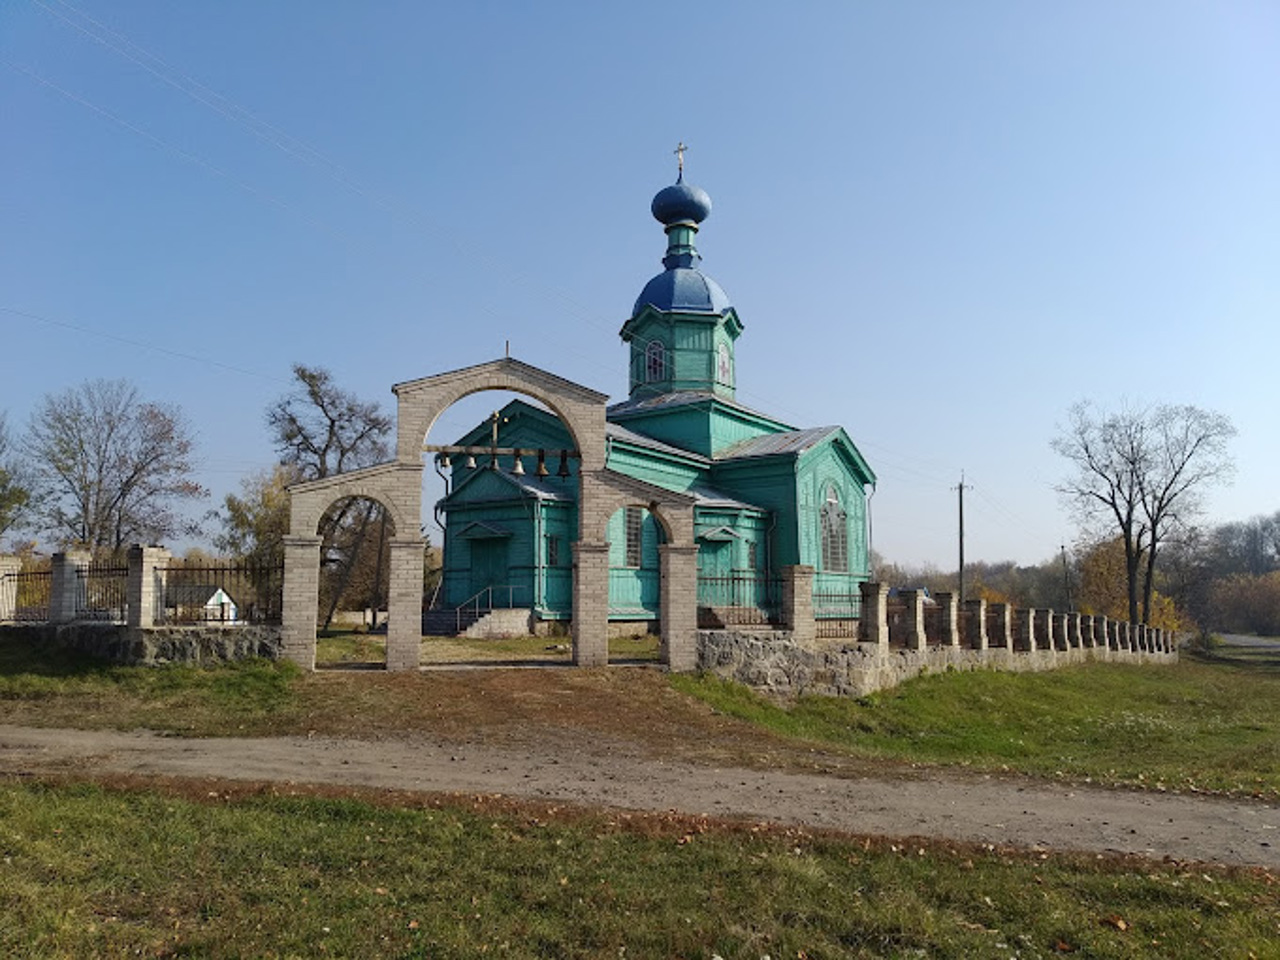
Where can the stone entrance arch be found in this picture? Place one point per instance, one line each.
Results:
(398, 485)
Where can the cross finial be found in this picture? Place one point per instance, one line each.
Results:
(679, 152)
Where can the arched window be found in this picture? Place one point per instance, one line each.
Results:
(835, 534)
(655, 362)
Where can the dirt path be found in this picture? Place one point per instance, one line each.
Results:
(599, 773)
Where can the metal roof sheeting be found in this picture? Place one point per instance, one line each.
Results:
(774, 444)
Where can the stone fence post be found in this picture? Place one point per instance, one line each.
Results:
(10, 567)
(1024, 636)
(947, 617)
(1000, 632)
(1101, 631)
(146, 585)
(975, 623)
(1086, 630)
(67, 586)
(874, 626)
(797, 604)
(914, 603)
(1061, 638)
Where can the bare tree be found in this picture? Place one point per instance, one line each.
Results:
(321, 429)
(1139, 474)
(107, 468)
(14, 495)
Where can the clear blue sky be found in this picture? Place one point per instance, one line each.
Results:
(941, 224)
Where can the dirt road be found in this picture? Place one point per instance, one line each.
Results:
(596, 772)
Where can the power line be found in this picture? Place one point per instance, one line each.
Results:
(142, 344)
(298, 149)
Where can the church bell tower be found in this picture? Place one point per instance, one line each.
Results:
(683, 328)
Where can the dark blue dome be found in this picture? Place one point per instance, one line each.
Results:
(684, 290)
(681, 202)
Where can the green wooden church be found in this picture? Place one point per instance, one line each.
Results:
(767, 493)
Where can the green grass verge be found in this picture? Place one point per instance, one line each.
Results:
(87, 871)
(73, 690)
(349, 648)
(1195, 725)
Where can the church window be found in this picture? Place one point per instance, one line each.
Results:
(835, 534)
(635, 527)
(553, 550)
(752, 556)
(655, 362)
(724, 367)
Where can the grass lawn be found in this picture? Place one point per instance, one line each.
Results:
(195, 870)
(1202, 724)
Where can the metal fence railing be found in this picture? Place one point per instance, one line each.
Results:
(837, 612)
(102, 592)
(219, 593)
(739, 599)
(26, 596)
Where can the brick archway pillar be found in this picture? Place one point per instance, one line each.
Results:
(590, 603)
(301, 599)
(679, 605)
(404, 604)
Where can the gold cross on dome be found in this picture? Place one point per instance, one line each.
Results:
(679, 152)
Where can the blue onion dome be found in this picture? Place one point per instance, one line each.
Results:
(684, 290)
(681, 203)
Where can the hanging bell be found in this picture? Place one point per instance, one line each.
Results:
(471, 462)
(493, 462)
(518, 469)
(542, 470)
(564, 464)
(444, 461)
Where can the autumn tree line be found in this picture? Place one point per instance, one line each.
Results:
(100, 467)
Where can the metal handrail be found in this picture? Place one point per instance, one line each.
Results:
(511, 588)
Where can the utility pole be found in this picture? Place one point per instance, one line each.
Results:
(960, 489)
(1066, 578)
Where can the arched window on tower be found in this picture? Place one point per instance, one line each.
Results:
(835, 534)
(655, 362)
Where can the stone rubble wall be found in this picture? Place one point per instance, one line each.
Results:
(114, 643)
(772, 662)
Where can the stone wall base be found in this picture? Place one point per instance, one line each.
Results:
(774, 663)
(192, 645)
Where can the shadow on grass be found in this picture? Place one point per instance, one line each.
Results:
(1259, 659)
(21, 658)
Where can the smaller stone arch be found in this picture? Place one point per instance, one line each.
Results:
(392, 484)
(677, 558)
(398, 487)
